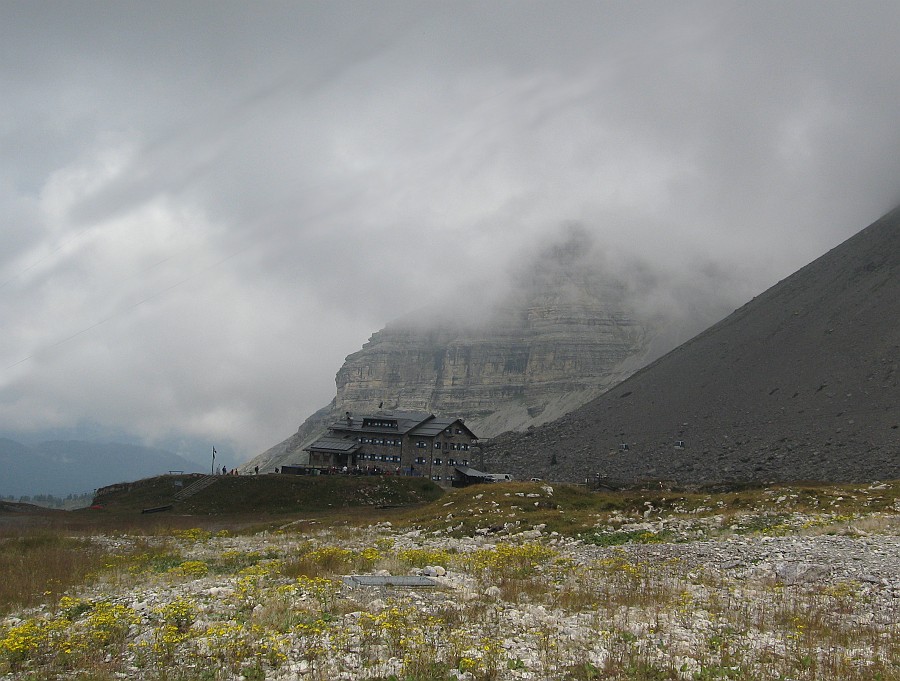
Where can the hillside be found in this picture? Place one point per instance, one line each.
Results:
(801, 383)
(266, 494)
(507, 582)
(73, 466)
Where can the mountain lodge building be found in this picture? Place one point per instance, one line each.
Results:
(403, 443)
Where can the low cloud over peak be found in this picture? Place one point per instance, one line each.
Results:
(208, 206)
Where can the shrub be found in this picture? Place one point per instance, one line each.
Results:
(421, 557)
(510, 561)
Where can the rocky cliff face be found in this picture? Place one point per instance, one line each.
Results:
(542, 352)
(561, 334)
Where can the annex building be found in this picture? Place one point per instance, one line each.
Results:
(402, 443)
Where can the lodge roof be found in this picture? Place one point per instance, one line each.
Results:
(405, 420)
(436, 426)
(334, 444)
(421, 424)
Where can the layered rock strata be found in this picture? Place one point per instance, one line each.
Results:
(562, 334)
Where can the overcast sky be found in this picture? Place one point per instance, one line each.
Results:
(207, 205)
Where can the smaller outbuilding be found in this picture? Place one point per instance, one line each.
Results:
(463, 476)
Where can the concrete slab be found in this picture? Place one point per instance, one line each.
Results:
(388, 581)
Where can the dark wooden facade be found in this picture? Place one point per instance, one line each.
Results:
(406, 443)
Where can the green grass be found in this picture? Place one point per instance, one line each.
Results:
(619, 538)
(574, 510)
(270, 494)
(38, 567)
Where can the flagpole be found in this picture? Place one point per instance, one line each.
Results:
(212, 467)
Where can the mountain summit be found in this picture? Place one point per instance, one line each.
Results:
(801, 383)
(563, 328)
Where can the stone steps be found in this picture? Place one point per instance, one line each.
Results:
(195, 487)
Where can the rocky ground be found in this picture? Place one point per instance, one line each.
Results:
(706, 592)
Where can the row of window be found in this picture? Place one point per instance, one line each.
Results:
(455, 446)
(368, 423)
(420, 444)
(378, 457)
(378, 441)
(440, 462)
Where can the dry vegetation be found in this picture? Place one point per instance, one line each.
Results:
(541, 583)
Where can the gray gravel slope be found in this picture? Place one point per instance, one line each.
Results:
(801, 383)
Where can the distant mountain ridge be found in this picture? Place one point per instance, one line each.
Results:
(62, 467)
(801, 383)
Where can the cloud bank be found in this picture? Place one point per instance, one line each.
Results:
(207, 206)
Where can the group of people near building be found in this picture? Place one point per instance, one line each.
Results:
(234, 471)
(363, 470)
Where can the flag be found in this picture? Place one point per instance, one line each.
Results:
(214, 452)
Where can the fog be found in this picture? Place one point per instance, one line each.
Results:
(207, 206)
